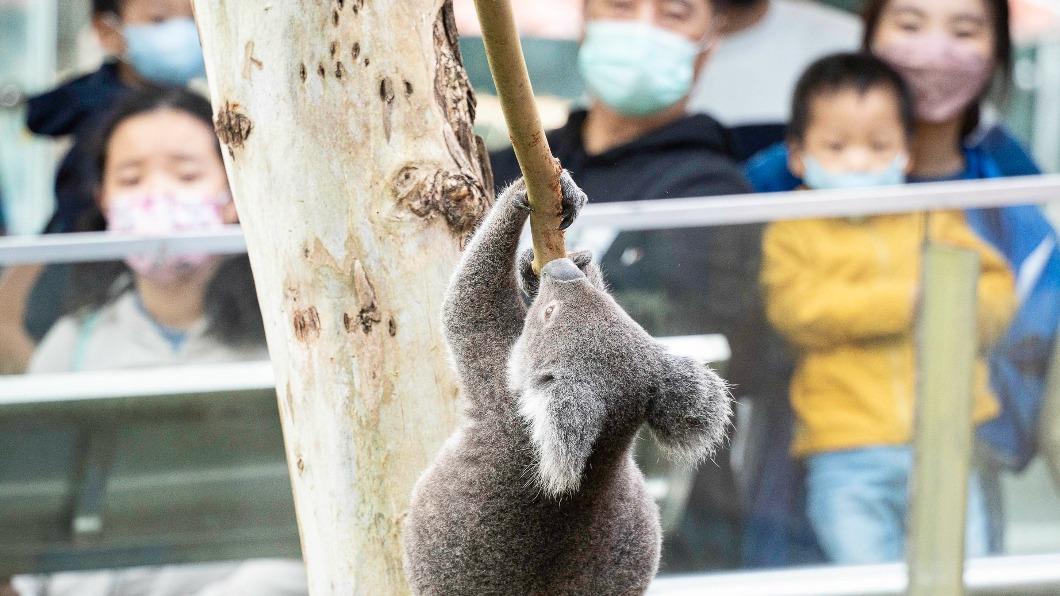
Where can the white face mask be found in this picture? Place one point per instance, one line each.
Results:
(637, 68)
(163, 215)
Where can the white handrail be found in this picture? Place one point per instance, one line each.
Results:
(229, 377)
(626, 216)
(135, 383)
(1023, 575)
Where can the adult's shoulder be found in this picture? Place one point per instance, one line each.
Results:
(691, 157)
(63, 109)
(768, 170)
(1006, 151)
(55, 352)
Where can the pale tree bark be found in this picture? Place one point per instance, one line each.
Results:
(348, 143)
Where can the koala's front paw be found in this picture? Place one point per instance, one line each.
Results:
(573, 198)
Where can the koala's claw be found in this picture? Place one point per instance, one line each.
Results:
(573, 198)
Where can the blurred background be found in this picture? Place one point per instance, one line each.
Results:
(184, 467)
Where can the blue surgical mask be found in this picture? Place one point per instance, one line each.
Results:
(165, 53)
(818, 177)
(635, 67)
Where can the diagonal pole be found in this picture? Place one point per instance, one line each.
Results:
(540, 170)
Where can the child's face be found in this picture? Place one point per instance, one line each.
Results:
(852, 132)
(164, 152)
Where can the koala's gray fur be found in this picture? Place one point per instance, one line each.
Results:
(538, 493)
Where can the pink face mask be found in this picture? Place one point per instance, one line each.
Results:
(163, 215)
(945, 76)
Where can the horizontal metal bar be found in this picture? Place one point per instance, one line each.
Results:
(1023, 575)
(144, 382)
(85, 247)
(222, 378)
(767, 207)
(625, 216)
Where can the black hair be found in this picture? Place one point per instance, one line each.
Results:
(999, 10)
(860, 72)
(231, 305)
(101, 7)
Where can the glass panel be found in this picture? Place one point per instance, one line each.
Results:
(822, 331)
(27, 41)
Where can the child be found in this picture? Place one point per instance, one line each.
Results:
(844, 294)
(160, 171)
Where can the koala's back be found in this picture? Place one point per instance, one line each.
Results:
(477, 525)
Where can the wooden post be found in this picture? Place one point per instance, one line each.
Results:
(347, 137)
(947, 348)
(1049, 425)
(540, 170)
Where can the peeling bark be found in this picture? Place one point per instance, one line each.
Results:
(355, 189)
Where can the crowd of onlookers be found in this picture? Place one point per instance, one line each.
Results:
(684, 98)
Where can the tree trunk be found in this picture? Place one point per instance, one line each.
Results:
(347, 135)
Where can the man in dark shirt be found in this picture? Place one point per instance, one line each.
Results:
(636, 142)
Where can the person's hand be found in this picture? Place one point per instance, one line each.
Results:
(6, 589)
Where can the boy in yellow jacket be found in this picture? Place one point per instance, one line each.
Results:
(844, 293)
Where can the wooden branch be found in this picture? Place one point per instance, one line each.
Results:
(540, 169)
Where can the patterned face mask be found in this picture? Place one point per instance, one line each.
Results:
(156, 215)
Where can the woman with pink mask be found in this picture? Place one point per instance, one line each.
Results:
(160, 172)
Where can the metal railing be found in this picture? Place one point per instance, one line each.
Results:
(626, 216)
(995, 576)
(1005, 575)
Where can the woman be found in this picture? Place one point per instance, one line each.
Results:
(159, 171)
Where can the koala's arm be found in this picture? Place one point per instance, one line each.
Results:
(483, 312)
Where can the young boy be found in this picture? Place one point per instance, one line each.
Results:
(844, 293)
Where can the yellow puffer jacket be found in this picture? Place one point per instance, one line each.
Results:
(844, 293)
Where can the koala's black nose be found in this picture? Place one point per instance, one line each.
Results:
(562, 270)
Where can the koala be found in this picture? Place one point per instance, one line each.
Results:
(537, 491)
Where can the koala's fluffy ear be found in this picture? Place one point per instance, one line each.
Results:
(564, 420)
(689, 409)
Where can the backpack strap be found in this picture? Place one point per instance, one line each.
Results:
(84, 337)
